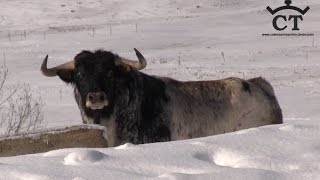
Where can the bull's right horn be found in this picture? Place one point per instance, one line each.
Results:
(51, 72)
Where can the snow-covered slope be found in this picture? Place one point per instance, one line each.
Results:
(187, 40)
(280, 152)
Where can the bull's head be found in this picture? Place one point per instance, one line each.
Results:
(94, 74)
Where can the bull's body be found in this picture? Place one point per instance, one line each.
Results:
(153, 109)
(145, 109)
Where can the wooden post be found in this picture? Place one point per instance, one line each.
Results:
(222, 54)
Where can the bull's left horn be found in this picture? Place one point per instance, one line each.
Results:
(51, 72)
(137, 65)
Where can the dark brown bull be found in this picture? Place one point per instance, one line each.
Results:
(139, 108)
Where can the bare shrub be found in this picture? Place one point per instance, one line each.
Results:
(20, 110)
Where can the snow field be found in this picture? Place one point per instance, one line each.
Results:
(186, 40)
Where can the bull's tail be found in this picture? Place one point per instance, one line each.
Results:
(269, 92)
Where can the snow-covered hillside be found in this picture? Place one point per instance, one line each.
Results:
(186, 40)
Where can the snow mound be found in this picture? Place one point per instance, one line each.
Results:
(78, 178)
(84, 157)
(173, 176)
(125, 146)
(234, 159)
(228, 158)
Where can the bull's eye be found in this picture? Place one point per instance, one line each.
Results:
(79, 75)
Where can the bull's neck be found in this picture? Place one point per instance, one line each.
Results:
(147, 86)
(139, 87)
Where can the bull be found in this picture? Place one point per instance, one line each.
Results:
(139, 108)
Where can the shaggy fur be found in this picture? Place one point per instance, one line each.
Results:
(146, 109)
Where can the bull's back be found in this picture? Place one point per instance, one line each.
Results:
(203, 108)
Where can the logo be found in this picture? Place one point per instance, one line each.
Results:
(291, 20)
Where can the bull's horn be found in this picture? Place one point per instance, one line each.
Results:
(53, 71)
(137, 65)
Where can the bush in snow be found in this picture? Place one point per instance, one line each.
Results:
(20, 111)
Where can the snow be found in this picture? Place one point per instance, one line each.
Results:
(84, 157)
(249, 155)
(217, 39)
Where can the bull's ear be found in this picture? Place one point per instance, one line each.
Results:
(66, 75)
(125, 68)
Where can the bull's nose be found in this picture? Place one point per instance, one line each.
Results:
(96, 100)
(96, 97)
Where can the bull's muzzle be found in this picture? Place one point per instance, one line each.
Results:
(96, 100)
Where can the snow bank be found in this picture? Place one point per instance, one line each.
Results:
(271, 152)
